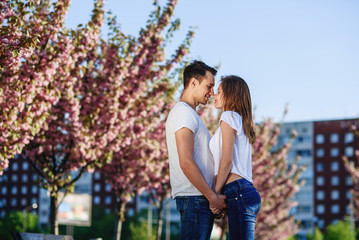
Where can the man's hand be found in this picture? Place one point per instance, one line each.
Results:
(217, 202)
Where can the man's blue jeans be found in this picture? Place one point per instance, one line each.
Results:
(196, 217)
(243, 203)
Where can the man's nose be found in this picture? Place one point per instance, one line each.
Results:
(211, 92)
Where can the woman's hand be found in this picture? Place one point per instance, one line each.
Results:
(217, 213)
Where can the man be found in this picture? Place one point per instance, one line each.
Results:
(191, 162)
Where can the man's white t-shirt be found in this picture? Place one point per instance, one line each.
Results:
(183, 116)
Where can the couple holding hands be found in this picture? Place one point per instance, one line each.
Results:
(210, 176)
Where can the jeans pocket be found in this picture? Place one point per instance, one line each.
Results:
(185, 209)
(251, 201)
(204, 213)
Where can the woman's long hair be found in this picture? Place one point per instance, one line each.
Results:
(237, 98)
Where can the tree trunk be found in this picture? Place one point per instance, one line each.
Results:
(54, 225)
(159, 221)
(121, 206)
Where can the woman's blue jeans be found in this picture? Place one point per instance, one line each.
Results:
(243, 203)
(196, 217)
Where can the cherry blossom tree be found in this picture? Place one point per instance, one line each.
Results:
(57, 150)
(276, 181)
(144, 87)
(28, 59)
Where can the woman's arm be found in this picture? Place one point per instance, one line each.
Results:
(228, 137)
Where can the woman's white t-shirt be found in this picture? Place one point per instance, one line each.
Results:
(242, 153)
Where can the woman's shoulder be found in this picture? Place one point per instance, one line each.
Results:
(233, 119)
(231, 115)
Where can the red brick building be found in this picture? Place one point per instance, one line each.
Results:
(332, 183)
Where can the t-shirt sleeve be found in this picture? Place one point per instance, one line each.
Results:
(233, 120)
(185, 119)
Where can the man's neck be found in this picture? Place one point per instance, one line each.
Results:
(188, 98)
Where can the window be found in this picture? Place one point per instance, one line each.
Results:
(303, 209)
(13, 202)
(15, 166)
(319, 138)
(25, 165)
(349, 137)
(34, 177)
(23, 202)
(306, 224)
(3, 203)
(320, 195)
(97, 175)
(349, 151)
(320, 181)
(33, 200)
(24, 190)
(320, 208)
(349, 195)
(348, 180)
(335, 195)
(334, 166)
(108, 187)
(302, 139)
(335, 221)
(24, 178)
(334, 137)
(348, 210)
(108, 200)
(321, 223)
(335, 181)
(97, 187)
(34, 189)
(3, 190)
(320, 167)
(14, 190)
(335, 209)
(334, 152)
(14, 178)
(3, 178)
(320, 152)
(304, 153)
(96, 200)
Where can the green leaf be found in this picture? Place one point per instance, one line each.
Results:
(33, 131)
(15, 53)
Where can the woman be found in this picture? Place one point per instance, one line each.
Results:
(232, 153)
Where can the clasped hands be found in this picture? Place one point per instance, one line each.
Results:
(218, 206)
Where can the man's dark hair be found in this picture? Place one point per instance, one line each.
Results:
(197, 70)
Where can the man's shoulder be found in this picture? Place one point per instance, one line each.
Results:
(180, 109)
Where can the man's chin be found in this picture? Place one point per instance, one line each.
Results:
(204, 102)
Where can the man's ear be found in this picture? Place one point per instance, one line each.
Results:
(193, 82)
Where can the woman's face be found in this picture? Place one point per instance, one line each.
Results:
(218, 98)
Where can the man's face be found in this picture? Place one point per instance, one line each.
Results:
(205, 88)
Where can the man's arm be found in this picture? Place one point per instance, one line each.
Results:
(185, 148)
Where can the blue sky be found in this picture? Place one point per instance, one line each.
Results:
(301, 52)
